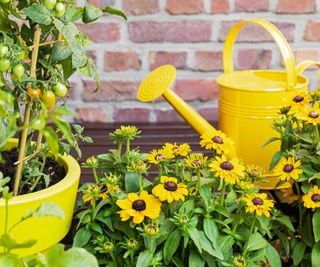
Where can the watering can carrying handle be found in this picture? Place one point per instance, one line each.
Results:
(277, 37)
(301, 67)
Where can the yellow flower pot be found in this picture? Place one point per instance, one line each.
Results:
(47, 230)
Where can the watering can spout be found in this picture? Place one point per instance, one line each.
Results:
(157, 84)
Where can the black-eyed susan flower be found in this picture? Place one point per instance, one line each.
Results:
(170, 190)
(106, 189)
(230, 170)
(310, 114)
(139, 206)
(289, 195)
(195, 161)
(258, 203)
(239, 261)
(124, 133)
(217, 141)
(92, 193)
(178, 150)
(151, 229)
(254, 172)
(157, 156)
(139, 167)
(312, 199)
(246, 185)
(297, 100)
(288, 169)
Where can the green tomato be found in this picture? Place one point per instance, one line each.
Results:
(4, 1)
(50, 4)
(60, 9)
(18, 71)
(38, 124)
(60, 90)
(5, 64)
(49, 99)
(4, 51)
(21, 55)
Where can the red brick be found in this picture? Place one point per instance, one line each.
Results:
(312, 31)
(140, 7)
(102, 3)
(177, 7)
(208, 61)
(296, 6)
(219, 6)
(254, 58)
(73, 91)
(121, 61)
(110, 91)
(302, 55)
(190, 89)
(159, 58)
(253, 33)
(91, 114)
(251, 5)
(131, 115)
(175, 31)
(210, 114)
(167, 115)
(101, 32)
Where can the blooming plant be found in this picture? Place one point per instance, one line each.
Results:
(40, 48)
(298, 163)
(199, 210)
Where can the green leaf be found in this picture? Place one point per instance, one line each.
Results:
(195, 259)
(275, 159)
(195, 236)
(231, 198)
(52, 139)
(144, 258)
(131, 182)
(272, 256)
(286, 221)
(82, 237)
(316, 225)
(171, 245)
(39, 14)
(10, 261)
(225, 243)
(315, 255)
(211, 230)
(91, 13)
(205, 193)
(298, 253)
(285, 242)
(206, 246)
(256, 242)
(8, 242)
(60, 52)
(49, 209)
(73, 14)
(116, 12)
(272, 139)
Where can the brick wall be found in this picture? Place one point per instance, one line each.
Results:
(188, 34)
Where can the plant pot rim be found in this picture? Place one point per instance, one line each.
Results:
(72, 172)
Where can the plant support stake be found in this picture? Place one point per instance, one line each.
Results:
(23, 140)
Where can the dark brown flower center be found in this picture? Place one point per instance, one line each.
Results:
(197, 162)
(226, 166)
(139, 205)
(313, 114)
(217, 140)
(288, 168)
(257, 201)
(315, 197)
(298, 98)
(160, 157)
(171, 186)
(175, 148)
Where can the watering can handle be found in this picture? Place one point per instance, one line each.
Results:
(301, 67)
(277, 37)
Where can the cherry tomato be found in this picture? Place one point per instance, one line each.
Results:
(4, 51)
(34, 92)
(50, 4)
(59, 9)
(60, 90)
(4, 64)
(21, 55)
(38, 124)
(18, 71)
(4, 1)
(49, 99)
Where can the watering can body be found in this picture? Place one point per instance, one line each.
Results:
(250, 100)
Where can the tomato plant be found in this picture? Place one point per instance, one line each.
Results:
(49, 99)
(60, 90)
(5, 64)
(18, 71)
(50, 4)
(4, 50)
(34, 92)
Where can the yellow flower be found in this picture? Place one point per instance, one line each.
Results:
(156, 156)
(288, 169)
(245, 185)
(297, 100)
(258, 203)
(125, 133)
(106, 188)
(230, 170)
(92, 194)
(255, 172)
(289, 195)
(178, 150)
(195, 161)
(312, 199)
(170, 190)
(217, 141)
(239, 261)
(310, 114)
(139, 206)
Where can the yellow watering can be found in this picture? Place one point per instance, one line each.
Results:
(248, 100)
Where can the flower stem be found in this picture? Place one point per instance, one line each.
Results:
(119, 149)
(317, 138)
(128, 145)
(113, 259)
(140, 182)
(160, 170)
(223, 189)
(300, 206)
(249, 236)
(95, 175)
(199, 179)
(151, 244)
